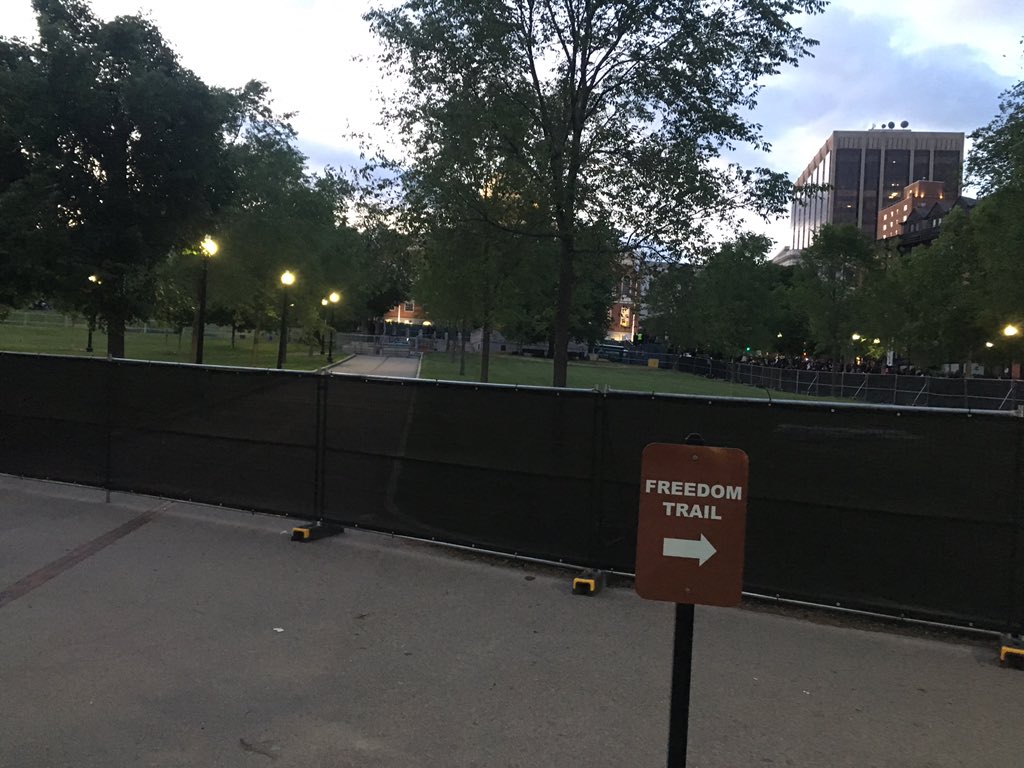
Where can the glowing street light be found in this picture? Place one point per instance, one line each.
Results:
(855, 337)
(96, 281)
(1010, 330)
(287, 280)
(333, 298)
(989, 345)
(209, 248)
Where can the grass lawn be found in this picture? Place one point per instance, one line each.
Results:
(512, 369)
(57, 340)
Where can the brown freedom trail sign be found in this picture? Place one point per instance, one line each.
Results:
(692, 526)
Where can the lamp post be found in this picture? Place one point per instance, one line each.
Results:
(1011, 331)
(287, 279)
(332, 299)
(323, 342)
(209, 248)
(95, 280)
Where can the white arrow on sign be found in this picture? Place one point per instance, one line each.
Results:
(701, 550)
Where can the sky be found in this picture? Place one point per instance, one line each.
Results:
(940, 65)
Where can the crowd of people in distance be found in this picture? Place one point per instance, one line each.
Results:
(826, 365)
(807, 363)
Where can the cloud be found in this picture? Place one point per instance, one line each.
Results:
(859, 76)
(991, 29)
(303, 49)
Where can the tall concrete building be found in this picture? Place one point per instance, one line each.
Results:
(867, 171)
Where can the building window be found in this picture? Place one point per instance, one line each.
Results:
(947, 169)
(410, 306)
(921, 163)
(847, 188)
(624, 317)
(897, 172)
(872, 160)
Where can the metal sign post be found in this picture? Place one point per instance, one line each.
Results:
(682, 664)
(690, 547)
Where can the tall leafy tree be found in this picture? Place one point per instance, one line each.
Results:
(672, 306)
(734, 293)
(996, 161)
(121, 157)
(943, 286)
(828, 279)
(616, 111)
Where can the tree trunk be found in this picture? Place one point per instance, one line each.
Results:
(115, 337)
(560, 376)
(234, 328)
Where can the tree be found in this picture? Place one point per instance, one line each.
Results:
(996, 161)
(123, 157)
(615, 110)
(730, 302)
(734, 292)
(672, 306)
(943, 291)
(828, 277)
(280, 217)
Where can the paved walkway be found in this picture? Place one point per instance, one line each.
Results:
(403, 367)
(151, 633)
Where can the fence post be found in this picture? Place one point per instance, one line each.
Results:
(320, 458)
(599, 438)
(1016, 618)
(109, 370)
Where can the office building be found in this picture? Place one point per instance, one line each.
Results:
(867, 171)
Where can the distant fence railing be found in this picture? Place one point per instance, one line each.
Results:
(43, 318)
(908, 512)
(881, 389)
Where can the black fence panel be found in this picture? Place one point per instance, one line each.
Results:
(898, 510)
(53, 417)
(216, 435)
(879, 510)
(498, 467)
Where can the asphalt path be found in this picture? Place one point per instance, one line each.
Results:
(144, 632)
(403, 367)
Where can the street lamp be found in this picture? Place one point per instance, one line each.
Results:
(1010, 330)
(323, 333)
(333, 298)
(855, 337)
(95, 280)
(287, 279)
(209, 248)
